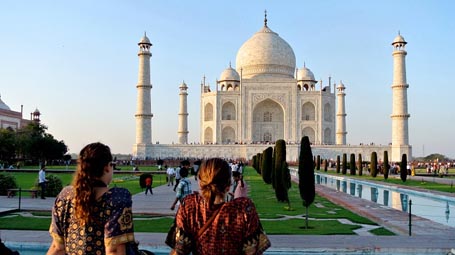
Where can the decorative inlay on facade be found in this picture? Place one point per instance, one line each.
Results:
(258, 97)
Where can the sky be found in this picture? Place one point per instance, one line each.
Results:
(76, 61)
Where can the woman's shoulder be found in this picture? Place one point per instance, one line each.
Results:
(241, 203)
(120, 191)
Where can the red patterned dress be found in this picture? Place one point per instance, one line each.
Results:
(235, 230)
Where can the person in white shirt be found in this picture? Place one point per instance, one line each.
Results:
(170, 176)
(42, 180)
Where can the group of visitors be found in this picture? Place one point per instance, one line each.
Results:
(88, 217)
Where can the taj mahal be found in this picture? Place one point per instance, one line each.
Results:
(265, 97)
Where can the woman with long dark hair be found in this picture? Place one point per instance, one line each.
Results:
(89, 217)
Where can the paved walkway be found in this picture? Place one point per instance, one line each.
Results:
(427, 237)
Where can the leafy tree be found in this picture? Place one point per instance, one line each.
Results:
(344, 168)
(360, 165)
(352, 164)
(386, 165)
(306, 175)
(34, 143)
(267, 165)
(403, 168)
(374, 164)
(338, 164)
(7, 144)
(436, 156)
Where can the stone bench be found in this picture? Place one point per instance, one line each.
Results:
(12, 192)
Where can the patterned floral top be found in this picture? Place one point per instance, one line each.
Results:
(113, 223)
(235, 230)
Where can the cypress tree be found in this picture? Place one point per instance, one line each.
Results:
(254, 164)
(280, 159)
(267, 165)
(259, 161)
(338, 164)
(352, 164)
(374, 164)
(325, 165)
(318, 162)
(386, 165)
(403, 169)
(344, 168)
(273, 168)
(360, 165)
(306, 175)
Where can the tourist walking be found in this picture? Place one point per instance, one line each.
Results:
(148, 184)
(42, 180)
(183, 188)
(170, 176)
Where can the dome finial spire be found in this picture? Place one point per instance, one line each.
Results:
(265, 18)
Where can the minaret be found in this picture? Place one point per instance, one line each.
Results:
(183, 115)
(341, 115)
(143, 147)
(400, 115)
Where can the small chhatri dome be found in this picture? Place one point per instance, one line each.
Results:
(3, 106)
(305, 74)
(399, 39)
(183, 85)
(145, 39)
(229, 74)
(266, 53)
(341, 85)
(36, 112)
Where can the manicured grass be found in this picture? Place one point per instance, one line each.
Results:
(275, 216)
(128, 181)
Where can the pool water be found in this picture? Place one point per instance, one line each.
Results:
(427, 205)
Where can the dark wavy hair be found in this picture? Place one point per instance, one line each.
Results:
(90, 167)
(214, 177)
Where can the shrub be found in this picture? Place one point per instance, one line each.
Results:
(386, 165)
(352, 164)
(403, 168)
(7, 181)
(374, 164)
(53, 186)
(344, 168)
(142, 179)
(338, 164)
(279, 171)
(360, 165)
(267, 165)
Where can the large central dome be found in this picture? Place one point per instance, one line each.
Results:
(265, 53)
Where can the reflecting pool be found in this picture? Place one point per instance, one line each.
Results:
(434, 207)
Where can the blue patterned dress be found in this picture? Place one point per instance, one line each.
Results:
(112, 224)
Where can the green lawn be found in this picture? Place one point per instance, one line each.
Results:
(275, 216)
